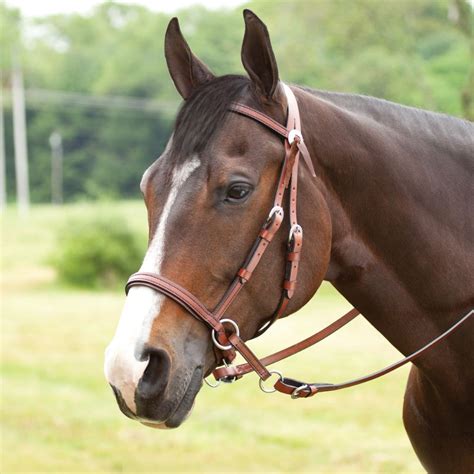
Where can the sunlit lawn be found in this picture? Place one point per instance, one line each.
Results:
(58, 414)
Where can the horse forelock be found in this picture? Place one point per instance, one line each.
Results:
(203, 114)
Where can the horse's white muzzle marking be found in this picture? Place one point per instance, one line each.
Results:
(123, 366)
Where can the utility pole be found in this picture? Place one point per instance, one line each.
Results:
(3, 179)
(19, 135)
(56, 143)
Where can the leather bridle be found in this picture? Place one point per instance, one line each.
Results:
(225, 333)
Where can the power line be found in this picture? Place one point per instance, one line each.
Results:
(37, 97)
(42, 96)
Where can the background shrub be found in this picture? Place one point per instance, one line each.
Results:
(97, 252)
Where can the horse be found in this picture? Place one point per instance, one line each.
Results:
(386, 204)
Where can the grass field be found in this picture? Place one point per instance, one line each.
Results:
(59, 415)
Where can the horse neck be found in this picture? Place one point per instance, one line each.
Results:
(398, 254)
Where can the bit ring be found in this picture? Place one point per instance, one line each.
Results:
(297, 390)
(212, 385)
(273, 389)
(214, 339)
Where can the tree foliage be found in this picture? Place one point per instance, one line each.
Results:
(416, 52)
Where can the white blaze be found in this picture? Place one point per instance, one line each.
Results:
(142, 305)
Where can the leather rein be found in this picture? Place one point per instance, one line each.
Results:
(225, 333)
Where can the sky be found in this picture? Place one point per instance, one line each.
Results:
(34, 8)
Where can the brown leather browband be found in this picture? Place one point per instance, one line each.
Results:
(227, 339)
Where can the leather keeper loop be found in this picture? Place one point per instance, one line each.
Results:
(288, 387)
(221, 372)
(293, 256)
(244, 274)
(289, 285)
(265, 234)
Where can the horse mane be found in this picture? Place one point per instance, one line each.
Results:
(408, 120)
(202, 114)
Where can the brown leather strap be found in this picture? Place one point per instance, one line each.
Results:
(243, 369)
(259, 117)
(177, 293)
(294, 122)
(249, 356)
(299, 389)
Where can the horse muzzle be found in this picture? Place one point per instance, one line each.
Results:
(160, 397)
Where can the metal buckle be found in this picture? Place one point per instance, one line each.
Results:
(294, 228)
(292, 134)
(214, 339)
(275, 210)
(273, 389)
(296, 391)
(227, 379)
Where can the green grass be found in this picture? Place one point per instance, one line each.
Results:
(59, 415)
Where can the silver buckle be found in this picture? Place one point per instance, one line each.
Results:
(294, 228)
(214, 339)
(273, 389)
(275, 210)
(227, 379)
(296, 391)
(292, 134)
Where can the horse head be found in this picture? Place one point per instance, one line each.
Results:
(207, 196)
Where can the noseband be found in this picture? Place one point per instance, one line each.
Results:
(225, 333)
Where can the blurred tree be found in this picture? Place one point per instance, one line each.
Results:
(10, 35)
(463, 15)
(416, 52)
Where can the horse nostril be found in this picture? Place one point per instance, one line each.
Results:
(155, 377)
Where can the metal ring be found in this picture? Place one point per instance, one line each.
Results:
(294, 228)
(212, 385)
(214, 339)
(273, 389)
(296, 391)
(292, 134)
(276, 209)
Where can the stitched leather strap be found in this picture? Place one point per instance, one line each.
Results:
(259, 117)
(243, 369)
(177, 293)
(299, 389)
(293, 122)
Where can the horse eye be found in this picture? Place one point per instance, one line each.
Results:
(237, 192)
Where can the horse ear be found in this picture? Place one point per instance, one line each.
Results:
(186, 70)
(257, 55)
